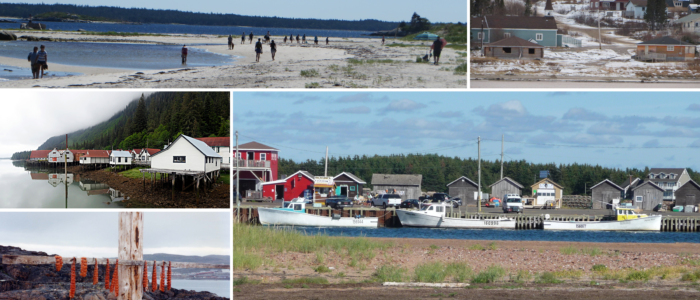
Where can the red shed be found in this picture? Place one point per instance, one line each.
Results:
(290, 187)
(257, 164)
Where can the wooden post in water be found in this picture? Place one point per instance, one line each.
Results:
(130, 248)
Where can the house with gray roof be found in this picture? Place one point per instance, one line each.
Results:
(464, 188)
(635, 9)
(408, 186)
(514, 47)
(506, 186)
(538, 30)
(669, 179)
(646, 195)
(187, 154)
(690, 23)
(665, 48)
(604, 192)
(688, 194)
(349, 185)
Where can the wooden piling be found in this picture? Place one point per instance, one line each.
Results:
(130, 248)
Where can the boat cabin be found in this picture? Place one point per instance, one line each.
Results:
(296, 205)
(436, 209)
(624, 214)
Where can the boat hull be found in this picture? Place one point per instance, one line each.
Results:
(651, 223)
(416, 219)
(271, 216)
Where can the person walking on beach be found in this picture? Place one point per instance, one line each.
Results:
(285, 39)
(243, 38)
(258, 50)
(273, 49)
(326, 41)
(251, 37)
(32, 60)
(383, 39)
(42, 59)
(230, 42)
(316, 40)
(303, 39)
(437, 49)
(297, 39)
(184, 54)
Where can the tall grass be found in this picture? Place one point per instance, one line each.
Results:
(390, 273)
(440, 272)
(571, 250)
(250, 240)
(490, 275)
(306, 280)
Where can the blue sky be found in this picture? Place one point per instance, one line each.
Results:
(612, 129)
(386, 10)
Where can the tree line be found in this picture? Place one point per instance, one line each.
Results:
(153, 121)
(438, 171)
(160, 16)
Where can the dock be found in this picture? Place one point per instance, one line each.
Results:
(388, 218)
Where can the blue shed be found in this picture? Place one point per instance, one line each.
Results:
(538, 30)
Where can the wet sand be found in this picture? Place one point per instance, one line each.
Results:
(531, 84)
(398, 70)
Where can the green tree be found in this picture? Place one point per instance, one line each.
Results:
(140, 121)
(655, 14)
(528, 8)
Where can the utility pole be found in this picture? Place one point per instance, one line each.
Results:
(502, 140)
(325, 172)
(479, 197)
(65, 169)
(600, 37)
(238, 200)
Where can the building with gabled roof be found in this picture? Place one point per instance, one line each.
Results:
(604, 192)
(120, 158)
(187, 154)
(348, 185)
(646, 195)
(506, 185)
(221, 145)
(146, 153)
(688, 194)
(665, 48)
(257, 164)
(669, 179)
(463, 188)
(539, 30)
(635, 9)
(690, 23)
(39, 155)
(95, 157)
(514, 47)
(408, 186)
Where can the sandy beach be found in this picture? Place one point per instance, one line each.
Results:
(374, 66)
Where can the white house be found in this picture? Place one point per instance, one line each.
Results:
(187, 154)
(690, 23)
(56, 156)
(669, 179)
(220, 145)
(120, 158)
(636, 8)
(95, 157)
(146, 154)
(136, 154)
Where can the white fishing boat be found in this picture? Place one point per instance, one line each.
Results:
(295, 215)
(433, 216)
(626, 220)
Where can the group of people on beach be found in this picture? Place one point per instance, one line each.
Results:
(38, 60)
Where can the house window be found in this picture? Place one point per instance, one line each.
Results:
(506, 50)
(531, 51)
(506, 35)
(179, 159)
(274, 156)
(263, 156)
(293, 183)
(478, 36)
(696, 24)
(238, 155)
(668, 193)
(673, 176)
(639, 198)
(596, 5)
(669, 48)
(651, 176)
(119, 159)
(539, 36)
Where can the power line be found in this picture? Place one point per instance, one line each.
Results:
(593, 146)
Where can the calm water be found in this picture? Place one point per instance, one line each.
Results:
(192, 29)
(22, 187)
(114, 55)
(511, 235)
(24, 73)
(221, 288)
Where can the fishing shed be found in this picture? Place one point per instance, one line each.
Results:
(604, 192)
(464, 188)
(95, 157)
(146, 154)
(120, 158)
(56, 156)
(514, 47)
(187, 154)
(408, 186)
(348, 185)
(220, 145)
(688, 194)
(647, 195)
(506, 186)
(39, 155)
(299, 184)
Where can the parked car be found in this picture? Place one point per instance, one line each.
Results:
(385, 200)
(339, 202)
(440, 197)
(458, 200)
(425, 199)
(410, 203)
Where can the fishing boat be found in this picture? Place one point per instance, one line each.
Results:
(626, 219)
(433, 216)
(295, 215)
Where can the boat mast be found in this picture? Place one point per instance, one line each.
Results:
(325, 172)
(238, 200)
(479, 197)
(502, 138)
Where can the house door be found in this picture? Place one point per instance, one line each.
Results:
(646, 50)
(279, 192)
(344, 190)
(250, 156)
(690, 200)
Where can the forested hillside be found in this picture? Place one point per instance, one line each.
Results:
(21, 155)
(143, 15)
(439, 170)
(153, 121)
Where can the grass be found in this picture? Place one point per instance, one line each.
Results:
(225, 178)
(310, 73)
(477, 247)
(440, 272)
(548, 277)
(571, 250)
(521, 276)
(639, 276)
(312, 85)
(354, 61)
(490, 275)
(305, 281)
(390, 273)
(322, 269)
(493, 246)
(251, 240)
(136, 174)
(599, 268)
(244, 280)
(461, 69)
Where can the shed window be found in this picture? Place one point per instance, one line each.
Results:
(263, 156)
(539, 36)
(506, 49)
(293, 181)
(639, 198)
(478, 36)
(119, 159)
(531, 51)
(669, 48)
(506, 35)
(179, 159)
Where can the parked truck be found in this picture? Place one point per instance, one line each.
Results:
(512, 203)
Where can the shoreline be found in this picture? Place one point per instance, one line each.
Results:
(346, 62)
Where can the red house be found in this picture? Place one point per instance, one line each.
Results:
(257, 164)
(289, 188)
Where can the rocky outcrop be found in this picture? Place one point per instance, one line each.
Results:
(7, 36)
(42, 282)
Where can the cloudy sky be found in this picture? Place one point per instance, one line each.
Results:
(95, 234)
(34, 116)
(386, 10)
(613, 129)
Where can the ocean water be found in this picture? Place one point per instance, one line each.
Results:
(221, 288)
(508, 234)
(14, 73)
(192, 29)
(115, 55)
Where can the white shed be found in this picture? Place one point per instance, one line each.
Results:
(95, 157)
(120, 158)
(146, 153)
(187, 154)
(56, 156)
